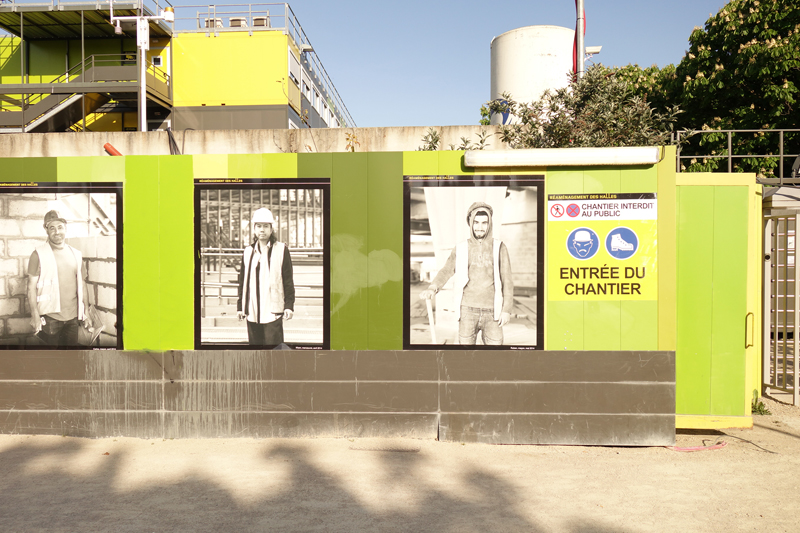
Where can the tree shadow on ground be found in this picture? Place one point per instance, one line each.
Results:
(47, 486)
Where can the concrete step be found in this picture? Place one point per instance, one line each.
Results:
(300, 309)
(239, 335)
(232, 322)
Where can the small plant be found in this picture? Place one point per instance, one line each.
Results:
(352, 142)
(466, 144)
(758, 408)
(430, 141)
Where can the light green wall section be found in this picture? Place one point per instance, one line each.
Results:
(34, 169)
(91, 169)
(385, 250)
(281, 166)
(176, 251)
(711, 300)
(730, 299)
(210, 166)
(349, 251)
(253, 166)
(563, 321)
(141, 295)
(664, 173)
(422, 163)
(605, 325)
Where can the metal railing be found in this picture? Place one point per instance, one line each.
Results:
(217, 19)
(218, 263)
(725, 154)
(781, 305)
(91, 70)
(151, 6)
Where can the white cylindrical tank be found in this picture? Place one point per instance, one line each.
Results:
(529, 60)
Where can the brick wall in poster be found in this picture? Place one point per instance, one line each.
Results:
(21, 231)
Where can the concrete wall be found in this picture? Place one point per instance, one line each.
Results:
(236, 141)
(20, 232)
(513, 397)
(99, 257)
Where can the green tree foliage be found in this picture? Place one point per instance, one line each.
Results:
(742, 71)
(600, 109)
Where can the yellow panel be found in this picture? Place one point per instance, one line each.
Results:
(234, 68)
(712, 422)
(667, 251)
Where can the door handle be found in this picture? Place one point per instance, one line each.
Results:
(752, 320)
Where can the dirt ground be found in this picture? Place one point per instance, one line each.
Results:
(752, 483)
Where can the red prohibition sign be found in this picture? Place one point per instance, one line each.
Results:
(557, 210)
(573, 210)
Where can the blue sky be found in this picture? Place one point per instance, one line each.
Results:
(419, 63)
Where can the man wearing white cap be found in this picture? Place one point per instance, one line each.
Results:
(57, 292)
(266, 284)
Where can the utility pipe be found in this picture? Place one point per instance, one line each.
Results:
(581, 31)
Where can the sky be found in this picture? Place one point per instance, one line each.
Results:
(427, 63)
(418, 63)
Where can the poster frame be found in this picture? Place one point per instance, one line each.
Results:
(115, 188)
(536, 181)
(323, 184)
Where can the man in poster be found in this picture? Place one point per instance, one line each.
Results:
(57, 291)
(266, 284)
(483, 286)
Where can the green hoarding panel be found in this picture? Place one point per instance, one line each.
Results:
(176, 250)
(452, 162)
(729, 269)
(385, 251)
(349, 241)
(602, 180)
(694, 299)
(667, 254)
(421, 163)
(639, 180)
(601, 330)
(40, 169)
(638, 325)
(142, 260)
(310, 165)
(245, 165)
(210, 166)
(564, 181)
(91, 169)
(282, 166)
(564, 326)
(11, 169)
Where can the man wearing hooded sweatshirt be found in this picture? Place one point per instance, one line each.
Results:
(266, 284)
(483, 286)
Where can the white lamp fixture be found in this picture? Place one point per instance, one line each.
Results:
(143, 44)
(554, 157)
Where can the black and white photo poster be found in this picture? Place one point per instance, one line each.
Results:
(262, 263)
(60, 265)
(473, 259)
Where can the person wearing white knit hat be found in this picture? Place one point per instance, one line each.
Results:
(266, 284)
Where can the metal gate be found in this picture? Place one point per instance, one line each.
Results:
(781, 299)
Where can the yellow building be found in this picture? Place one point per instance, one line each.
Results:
(66, 67)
